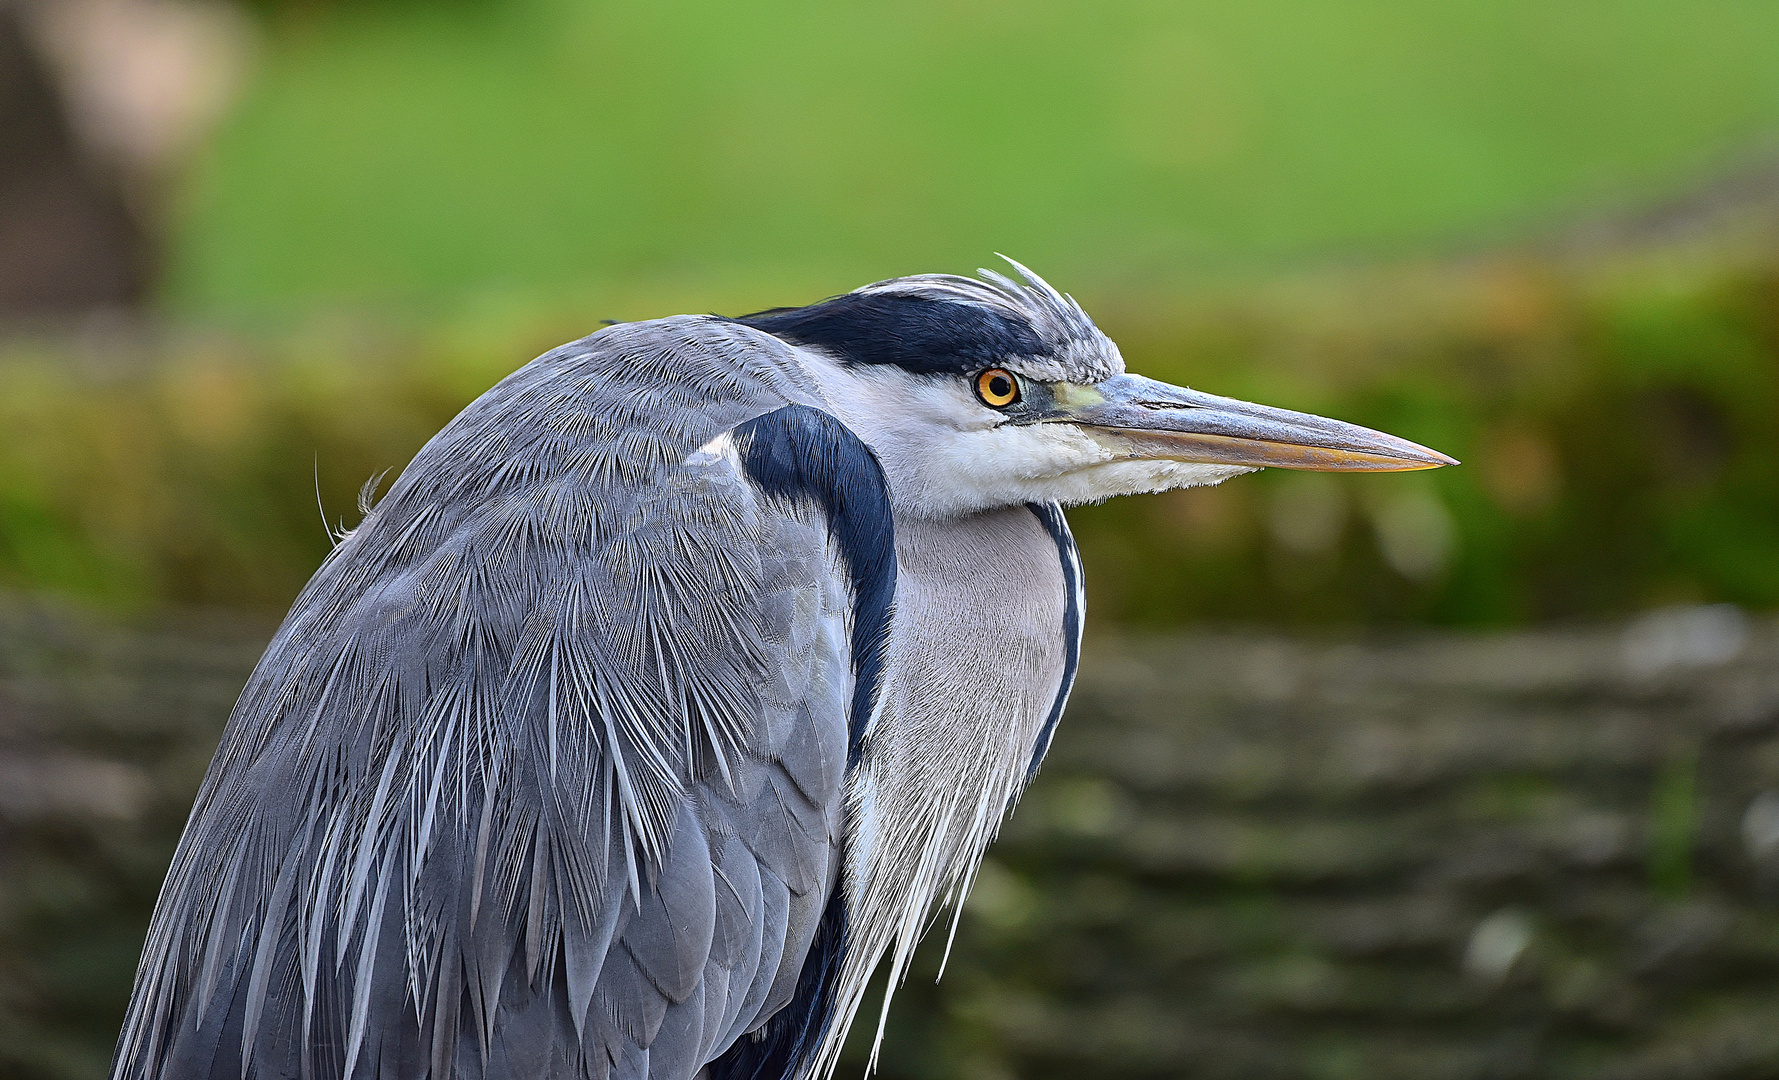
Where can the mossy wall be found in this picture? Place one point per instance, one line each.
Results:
(1439, 857)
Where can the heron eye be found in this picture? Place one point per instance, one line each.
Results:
(997, 388)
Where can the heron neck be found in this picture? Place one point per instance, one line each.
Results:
(976, 658)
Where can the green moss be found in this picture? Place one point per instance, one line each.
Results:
(1673, 825)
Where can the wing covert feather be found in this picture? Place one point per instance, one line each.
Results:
(542, 774)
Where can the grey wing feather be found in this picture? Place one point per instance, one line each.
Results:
(542, 774)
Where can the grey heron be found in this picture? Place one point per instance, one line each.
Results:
(678, 682)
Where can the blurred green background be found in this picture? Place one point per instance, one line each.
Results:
(394, 151)
(1540, 236)
(1535, 235)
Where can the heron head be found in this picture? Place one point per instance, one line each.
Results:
(977, 394)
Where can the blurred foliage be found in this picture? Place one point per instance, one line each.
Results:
(390, 151)
(1615, 417)
(1616, 426)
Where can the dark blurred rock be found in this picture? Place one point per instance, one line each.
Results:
(1526, 856)
(104, 735)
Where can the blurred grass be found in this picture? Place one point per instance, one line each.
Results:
(1615, 417)
(413, 152)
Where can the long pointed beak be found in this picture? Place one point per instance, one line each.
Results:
(1153, 420)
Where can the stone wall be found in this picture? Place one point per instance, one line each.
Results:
(1540, 855)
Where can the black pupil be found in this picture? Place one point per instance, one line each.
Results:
(1000, 386)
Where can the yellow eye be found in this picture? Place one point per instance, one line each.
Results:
(997, 387)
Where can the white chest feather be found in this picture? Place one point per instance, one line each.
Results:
(974, 668)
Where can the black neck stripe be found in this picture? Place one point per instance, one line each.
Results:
(1058, 528)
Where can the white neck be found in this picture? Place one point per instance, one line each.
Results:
(966, 694)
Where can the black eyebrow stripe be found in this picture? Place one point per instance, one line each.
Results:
(917, 334)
